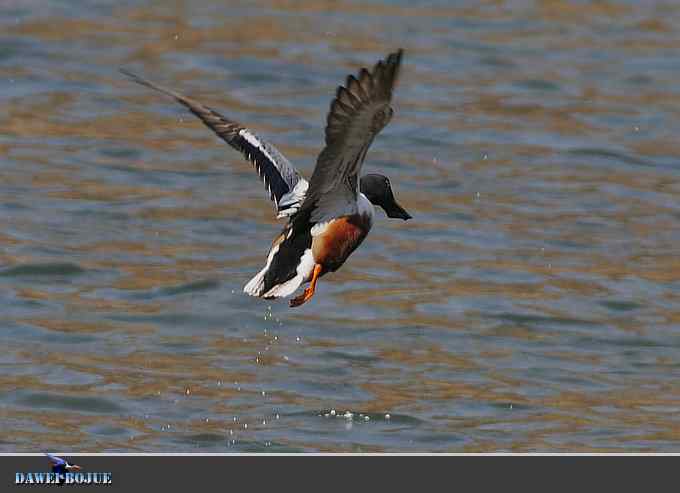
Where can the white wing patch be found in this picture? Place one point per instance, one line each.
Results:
(256, 142)
(304, 270)
(290, 203)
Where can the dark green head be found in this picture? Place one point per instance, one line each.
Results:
(378, 190)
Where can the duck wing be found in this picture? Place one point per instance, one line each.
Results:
(286, 187)
(360, 110)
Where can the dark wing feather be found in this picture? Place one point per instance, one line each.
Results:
(278, 174)
(360, 110)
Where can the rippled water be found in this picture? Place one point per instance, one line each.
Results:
(532, 304)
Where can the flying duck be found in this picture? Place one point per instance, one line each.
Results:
(330, 215)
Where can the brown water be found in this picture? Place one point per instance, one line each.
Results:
(532, 304)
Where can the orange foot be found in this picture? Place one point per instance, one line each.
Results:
(309, 292)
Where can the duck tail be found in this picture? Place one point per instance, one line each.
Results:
(255, 287)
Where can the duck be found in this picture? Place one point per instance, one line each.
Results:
(328, 216)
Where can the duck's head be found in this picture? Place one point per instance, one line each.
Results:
(378, 190)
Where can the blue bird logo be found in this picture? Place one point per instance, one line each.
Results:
(61, 466)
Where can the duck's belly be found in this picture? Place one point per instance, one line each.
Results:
(335, 240)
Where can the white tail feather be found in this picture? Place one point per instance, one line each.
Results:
(256, 285)
(304, 270)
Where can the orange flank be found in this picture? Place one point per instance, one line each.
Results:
(341, 237)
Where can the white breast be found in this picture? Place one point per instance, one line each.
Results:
(365, 208)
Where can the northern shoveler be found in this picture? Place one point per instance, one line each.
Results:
(329, 216)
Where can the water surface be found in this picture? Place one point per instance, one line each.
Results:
(532, 304)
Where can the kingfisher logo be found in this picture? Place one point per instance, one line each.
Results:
(63, 472)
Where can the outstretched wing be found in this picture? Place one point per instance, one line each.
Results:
(360, 110)
(54, 460)
(285, 185)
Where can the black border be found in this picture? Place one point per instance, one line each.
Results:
(351, 473)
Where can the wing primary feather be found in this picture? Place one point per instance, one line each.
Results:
(277, 173)
(360, 110)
